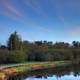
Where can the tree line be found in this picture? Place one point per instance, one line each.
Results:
(17, 50)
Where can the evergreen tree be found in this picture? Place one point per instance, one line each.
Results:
(14, 42)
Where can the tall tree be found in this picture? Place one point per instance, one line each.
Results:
(14, 42)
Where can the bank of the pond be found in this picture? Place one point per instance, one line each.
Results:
(20, 68)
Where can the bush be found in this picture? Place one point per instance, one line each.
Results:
(17, 56)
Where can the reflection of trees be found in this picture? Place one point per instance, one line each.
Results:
(58, 72)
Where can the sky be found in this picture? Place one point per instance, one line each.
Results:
(51, 20)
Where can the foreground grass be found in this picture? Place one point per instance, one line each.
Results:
(20, 68)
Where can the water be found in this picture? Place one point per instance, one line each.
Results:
(59, 73)
(66, 77)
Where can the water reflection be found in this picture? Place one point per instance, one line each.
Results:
(59, 73)
(54, 77)
(66, 77)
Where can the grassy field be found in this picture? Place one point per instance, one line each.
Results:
(12, 69)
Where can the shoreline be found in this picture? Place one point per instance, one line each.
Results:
(20, 68)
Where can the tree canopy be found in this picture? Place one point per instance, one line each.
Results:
(18, 51)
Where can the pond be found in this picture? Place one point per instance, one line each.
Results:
(59, 73)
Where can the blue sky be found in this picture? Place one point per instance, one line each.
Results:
(52, 20)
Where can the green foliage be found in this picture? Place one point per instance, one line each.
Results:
(17, 57)
(18, 51)
(4, 56)
(14, 42)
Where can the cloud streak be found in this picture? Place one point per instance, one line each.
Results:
(58, 6)
(36, 6)
(74, 32)
(11, 12)
(10, 9)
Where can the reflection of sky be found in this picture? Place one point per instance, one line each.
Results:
(70, 77)
(66, 77)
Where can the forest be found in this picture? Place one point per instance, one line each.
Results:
(19, 51)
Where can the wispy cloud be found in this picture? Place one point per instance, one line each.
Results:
(74, 31)
(58, 6)
(10, 9)
(36, 6)
(10, 16)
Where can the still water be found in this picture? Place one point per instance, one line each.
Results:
(59, 73)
